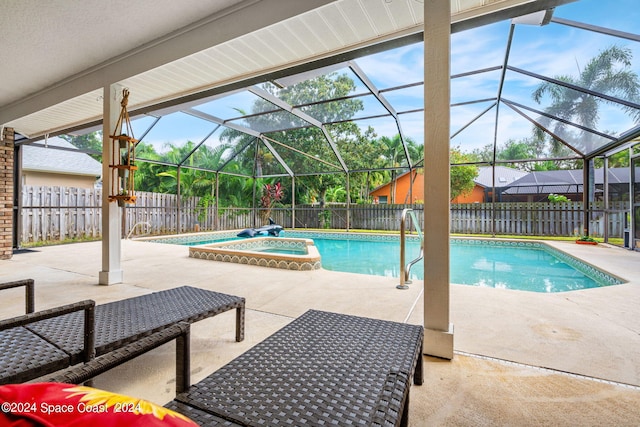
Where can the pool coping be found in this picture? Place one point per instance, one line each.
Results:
(248, 251)
(603, 277)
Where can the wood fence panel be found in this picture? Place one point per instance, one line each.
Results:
(57, 213)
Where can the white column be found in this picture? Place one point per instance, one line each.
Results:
(437, 37)
(111, 215)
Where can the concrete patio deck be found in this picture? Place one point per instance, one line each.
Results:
(521, 358)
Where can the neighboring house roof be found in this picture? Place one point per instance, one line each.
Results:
(504, 176)
(563, 181)
(43, 159)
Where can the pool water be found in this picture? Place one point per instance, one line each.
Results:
(510, 265)
(528, 269)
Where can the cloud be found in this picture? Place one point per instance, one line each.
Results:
(395, 67)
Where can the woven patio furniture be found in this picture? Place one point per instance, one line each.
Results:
(29, 292)
(180, 332)
(24, 355)
(321, 369)
(121, 322)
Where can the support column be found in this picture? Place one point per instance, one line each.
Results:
(438, 339)
(293, 202)
(6, 193)
(586, 196)
(111, 216)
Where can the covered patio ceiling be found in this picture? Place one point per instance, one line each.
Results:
(199, 63)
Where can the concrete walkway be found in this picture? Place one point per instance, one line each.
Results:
(521, 358)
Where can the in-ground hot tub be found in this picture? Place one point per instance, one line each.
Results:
(274, 252)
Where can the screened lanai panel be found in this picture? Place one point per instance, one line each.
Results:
(413, 128)
(463, 115)
(271, 122)
(479, 48)
(615, 17)
(618, 180)
(345, 109)
(369, 144)
(236, 105)
(593, 112)
(216, 149)
(474, 87)
(516, 139)
(468, 134)
(595, 60)
(258, 160)
(395, 67)
(141, 124)
(320, 85)
(581, 140)
(239, 160)
(406, 98)
(294, 79)
(305, 151)
(174, 136)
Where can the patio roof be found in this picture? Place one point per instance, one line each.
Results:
(161, 50)
(211, 60)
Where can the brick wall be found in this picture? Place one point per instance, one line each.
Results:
(6, 194)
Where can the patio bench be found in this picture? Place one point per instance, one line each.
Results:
(24, 355)
(29, 289)
(87, 371)
(321, 369)
(40, 343)
(121, 322)
(52, 402)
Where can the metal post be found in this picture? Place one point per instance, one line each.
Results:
(403, 279)
(17, 195)
(179, 203)
(216, 211)
(585, 198)
(605, 184)
(348, 202)
(293, 202)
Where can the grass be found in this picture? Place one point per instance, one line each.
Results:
(59, 242)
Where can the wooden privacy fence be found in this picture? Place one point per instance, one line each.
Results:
(60, 213)
(536, 219)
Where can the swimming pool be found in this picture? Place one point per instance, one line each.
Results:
(519, 265)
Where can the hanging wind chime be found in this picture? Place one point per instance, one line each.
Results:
(123, 157)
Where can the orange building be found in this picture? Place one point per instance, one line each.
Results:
(481, 193)
(414, 181)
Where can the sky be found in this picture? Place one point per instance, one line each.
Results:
(552, 50)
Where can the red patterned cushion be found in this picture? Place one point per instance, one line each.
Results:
(66, 405)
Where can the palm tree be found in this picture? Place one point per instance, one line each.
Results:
(393, 156)
(608, 73)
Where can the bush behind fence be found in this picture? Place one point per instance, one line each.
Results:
(59, 213)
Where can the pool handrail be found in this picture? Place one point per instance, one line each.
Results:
(405, 269)
(147, 223)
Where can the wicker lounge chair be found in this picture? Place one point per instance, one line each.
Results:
(321, 369)
(29, 288)
(24, 355)
(101, 364)
(121, 322)
(59, 339)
